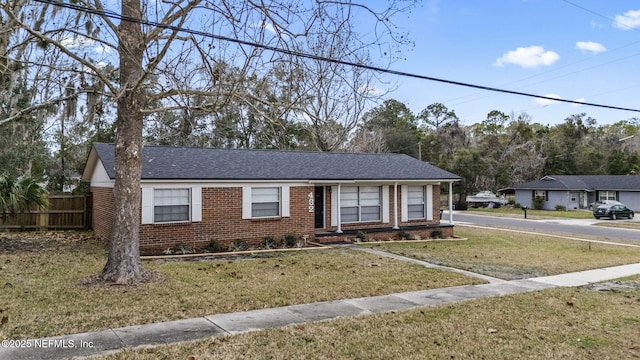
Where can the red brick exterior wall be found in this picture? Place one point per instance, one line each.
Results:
(222, 221)
(103, 208)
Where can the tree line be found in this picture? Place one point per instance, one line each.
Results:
(500, 151)
(503, 149)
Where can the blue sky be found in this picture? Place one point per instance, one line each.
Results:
(585, 50)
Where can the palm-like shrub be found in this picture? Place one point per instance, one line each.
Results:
(18, 195)
(8, 194)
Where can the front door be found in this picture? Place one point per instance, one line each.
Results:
(319, 207)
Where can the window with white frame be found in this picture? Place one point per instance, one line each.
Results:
(606, 195)
(415, 202)
(573, 197)
(171, 205)
(544, 194)
(265, 202)
(360, 203)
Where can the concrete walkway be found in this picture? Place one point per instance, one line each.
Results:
(114, 340)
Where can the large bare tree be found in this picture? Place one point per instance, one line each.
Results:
(155, 57)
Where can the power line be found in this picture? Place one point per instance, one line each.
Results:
(620, 24)
(116, 16)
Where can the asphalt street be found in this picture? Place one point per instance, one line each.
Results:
(572, 226)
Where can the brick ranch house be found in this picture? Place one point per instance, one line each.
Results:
(192, 196)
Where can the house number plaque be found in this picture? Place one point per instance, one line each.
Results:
(311, 202)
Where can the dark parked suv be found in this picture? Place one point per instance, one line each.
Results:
(613, 211)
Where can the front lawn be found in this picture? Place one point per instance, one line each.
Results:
(635, 225)
(43, 295)
(533, 214)
(42, 292)
(563, 323)
(512, 255)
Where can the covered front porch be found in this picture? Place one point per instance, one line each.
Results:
(382, 210)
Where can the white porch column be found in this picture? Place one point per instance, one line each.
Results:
(395, 206)
(451, 203)
(339, 230)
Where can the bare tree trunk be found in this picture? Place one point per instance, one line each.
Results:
(123, 265)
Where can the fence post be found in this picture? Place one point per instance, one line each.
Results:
(42, 220)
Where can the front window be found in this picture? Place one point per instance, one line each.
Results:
(415, 202)
(170, 205)
(541, 194)
(360, 203)
(265, 202)
(606, 195)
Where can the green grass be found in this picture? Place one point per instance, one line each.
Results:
(621, 224)
(563, 323)
(42, 292)
(534, 214)
(42, 295)
(512, 255)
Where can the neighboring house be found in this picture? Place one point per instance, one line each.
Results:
(191, 196)
(580, 191)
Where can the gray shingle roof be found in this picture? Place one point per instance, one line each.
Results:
(584, 182)
(172, 163)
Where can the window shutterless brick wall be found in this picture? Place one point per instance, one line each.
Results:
(103, 208)
(222, 222)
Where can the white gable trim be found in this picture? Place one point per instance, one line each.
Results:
(99, 177)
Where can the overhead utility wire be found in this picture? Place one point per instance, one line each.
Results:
(602, 16)
(114, 15)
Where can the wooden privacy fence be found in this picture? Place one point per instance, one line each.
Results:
(65, 212)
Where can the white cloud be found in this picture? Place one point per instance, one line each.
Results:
(370, 90)
(528, 57)
(547, 102)
(74, 42)
(266, 26)
(578, 100)
(270, 28)
(102, 49)
(596, 25)
(628, 21)
(590, 46)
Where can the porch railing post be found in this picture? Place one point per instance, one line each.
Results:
(339, 230)
(395, 206)
(451, 203)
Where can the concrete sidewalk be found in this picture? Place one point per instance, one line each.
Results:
(114, 340)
